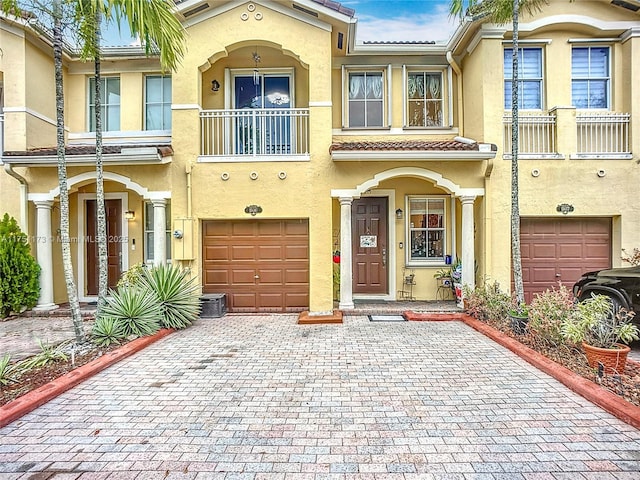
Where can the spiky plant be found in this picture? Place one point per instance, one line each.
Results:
(107, 331)
(48, 354)
(7, 371)
(179, 295)
(137, 309)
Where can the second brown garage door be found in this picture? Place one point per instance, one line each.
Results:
(562, 249)
(261, 265)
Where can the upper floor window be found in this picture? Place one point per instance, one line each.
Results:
(529, 78)
(590, 77)
(110, 104)
(426, 230)
(157, 107)
(424, 99)
(366, 99)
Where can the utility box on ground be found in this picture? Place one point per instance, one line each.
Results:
(214, 305)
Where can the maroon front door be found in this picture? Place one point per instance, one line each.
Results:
(370, 249)
(113, 209)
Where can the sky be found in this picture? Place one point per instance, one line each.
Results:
(378, 20)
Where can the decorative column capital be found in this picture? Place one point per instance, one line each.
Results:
(467, 199)
(345, 200)
(159, 202)
(44, 204)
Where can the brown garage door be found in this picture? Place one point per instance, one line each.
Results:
(562, 249)
(262, 265)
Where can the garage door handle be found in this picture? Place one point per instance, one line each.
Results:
(558, 275)
(256, 276)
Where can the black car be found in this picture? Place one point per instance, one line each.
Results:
(621, 285)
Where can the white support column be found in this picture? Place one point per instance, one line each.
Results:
(159, 231)
(468, 242)
(44, 254)
(346, 277)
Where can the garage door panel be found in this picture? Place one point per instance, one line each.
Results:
(216, 253)
(243, 277)
(597, 252)
(276, 251)
(546, 275)
(270, 277)
(570, 250)
(543, 250)
(269, 252)
(217, 277)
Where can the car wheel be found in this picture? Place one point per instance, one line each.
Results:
(616, 304)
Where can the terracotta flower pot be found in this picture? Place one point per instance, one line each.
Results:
(614, 360)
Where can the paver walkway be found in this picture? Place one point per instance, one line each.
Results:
(260, 397)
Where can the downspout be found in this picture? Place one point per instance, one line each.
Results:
(188, 169)
(458, 70)
(24, 222)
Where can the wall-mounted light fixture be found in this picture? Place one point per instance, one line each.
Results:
(253, 209)
(565, 208)
(130, 215)
(215, 85)
(399, 214)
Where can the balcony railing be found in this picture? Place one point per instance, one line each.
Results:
(603, 134)
(249, 133)
(537, 135)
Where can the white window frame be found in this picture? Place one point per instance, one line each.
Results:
(590, 78)
(104, 106)
(385, 72)
(148, 233)
(410, 228)
(164, 105)
(407, 71)
(522, 79)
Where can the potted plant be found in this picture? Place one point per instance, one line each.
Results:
(519, 316)
(444, 277)
(602, 331)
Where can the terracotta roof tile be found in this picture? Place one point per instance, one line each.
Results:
(444, 145)
(71, 150)
(338, 7)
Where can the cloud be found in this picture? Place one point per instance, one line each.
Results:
(436, 26)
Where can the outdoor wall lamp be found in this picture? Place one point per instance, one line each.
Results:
(215, 85)
(130, 215)
(399, 214)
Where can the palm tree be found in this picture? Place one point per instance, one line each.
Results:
(143, 17)
(502, 12)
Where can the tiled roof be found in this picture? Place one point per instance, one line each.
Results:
(71, 150)
(337, 7)
(420, 145)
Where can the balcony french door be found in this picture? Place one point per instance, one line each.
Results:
(263, 124)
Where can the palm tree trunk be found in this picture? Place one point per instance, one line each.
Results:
(67, 265)
(103, 273)
(515, 206)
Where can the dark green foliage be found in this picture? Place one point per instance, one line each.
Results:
(179, 296)
(137, 309)
(107, 331)
(19, 271)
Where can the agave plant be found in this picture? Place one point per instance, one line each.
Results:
(7, 371)
(107, 331)
(137, 309)
(48, 354)
(179, 295)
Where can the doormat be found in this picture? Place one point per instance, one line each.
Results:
(387, 318)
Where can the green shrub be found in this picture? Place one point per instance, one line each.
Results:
(48, 354)
(7, 371)
(488, 302)
(548, 311)
(19, 272)
(132, 277)
(107, 331)
(179, 296)
(136, 308)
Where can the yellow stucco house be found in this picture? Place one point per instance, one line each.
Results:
(280, 141)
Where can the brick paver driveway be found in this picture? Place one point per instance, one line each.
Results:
(252, 397)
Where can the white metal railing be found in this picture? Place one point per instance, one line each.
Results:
(537, 134)
(254, 132)
(603, 134)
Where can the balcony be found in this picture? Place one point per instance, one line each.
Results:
(603, 135)
(597, 135)
(254, 134)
